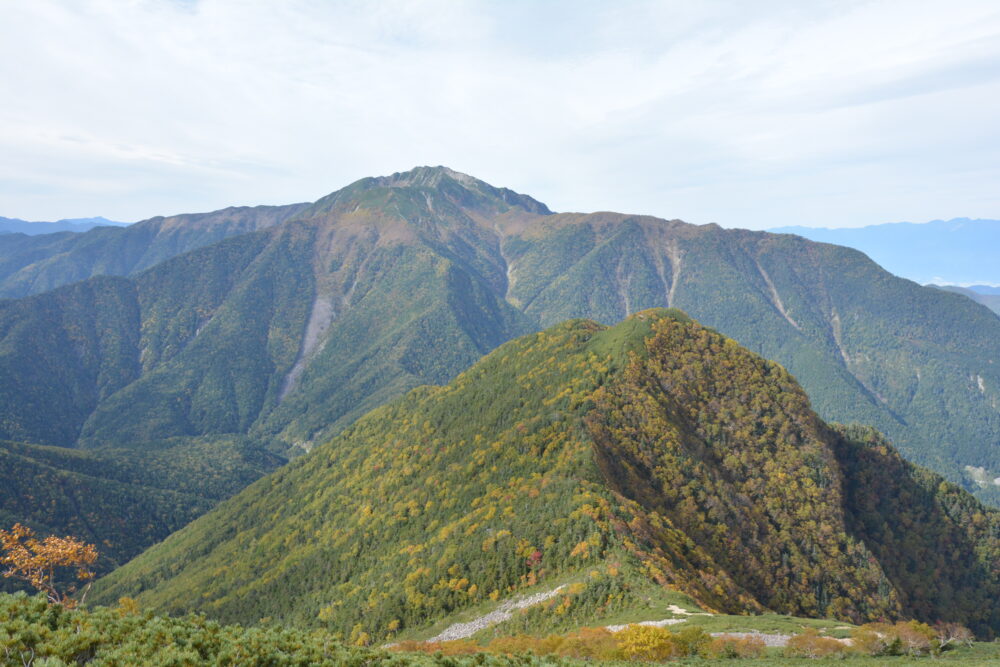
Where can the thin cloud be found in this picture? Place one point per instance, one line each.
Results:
(835, 113)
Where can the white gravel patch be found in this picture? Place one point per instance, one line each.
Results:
(769, 640)
(502, 613)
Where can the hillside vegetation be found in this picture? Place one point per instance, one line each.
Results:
(615, 461)
(282, 336)
(32, 632)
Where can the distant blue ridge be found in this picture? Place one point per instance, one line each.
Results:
(16, 225)
(960, 251)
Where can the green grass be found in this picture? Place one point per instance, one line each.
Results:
(980, 654)
(768, 624)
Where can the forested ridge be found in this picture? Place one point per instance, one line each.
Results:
(615, 461)
(280, 337)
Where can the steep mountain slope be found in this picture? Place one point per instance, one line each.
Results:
(959, 251)
(34, 264)
(921, 365)
(613, 461)
(62, 352)
(366, 294)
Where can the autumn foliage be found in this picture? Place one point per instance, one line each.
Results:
(43, 562)
(735, 646)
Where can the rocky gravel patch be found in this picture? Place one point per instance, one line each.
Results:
(502, 613)
(769, 640)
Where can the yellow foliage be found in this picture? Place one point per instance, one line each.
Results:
(37, 562)
(645, 642)
(127, 607)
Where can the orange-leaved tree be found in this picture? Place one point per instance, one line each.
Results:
(41, 562)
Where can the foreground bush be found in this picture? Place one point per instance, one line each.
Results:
(586, 643)
(35, 632)
(32, 631)
(730, 646)
(647, 643)
(636, 642)
(810, 644)
(911, 638)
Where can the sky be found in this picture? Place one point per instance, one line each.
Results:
(745, 113)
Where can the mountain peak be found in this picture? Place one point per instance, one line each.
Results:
(429, 177)
(461, 188)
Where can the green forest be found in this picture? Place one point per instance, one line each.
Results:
(422, 398)
(279, 327)
(612, 461)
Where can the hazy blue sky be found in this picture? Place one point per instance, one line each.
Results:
(751, 114)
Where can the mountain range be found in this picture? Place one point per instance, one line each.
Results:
(247, 336)
(959, 251)
(601, 464)
(35, 264)
(18, 226)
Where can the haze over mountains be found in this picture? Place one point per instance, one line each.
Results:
(945, 252)
(247, 335)
(18, 226)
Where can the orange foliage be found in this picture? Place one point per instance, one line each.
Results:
(731, 646)
(810, 644)
(37, 562)
(454, 647)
